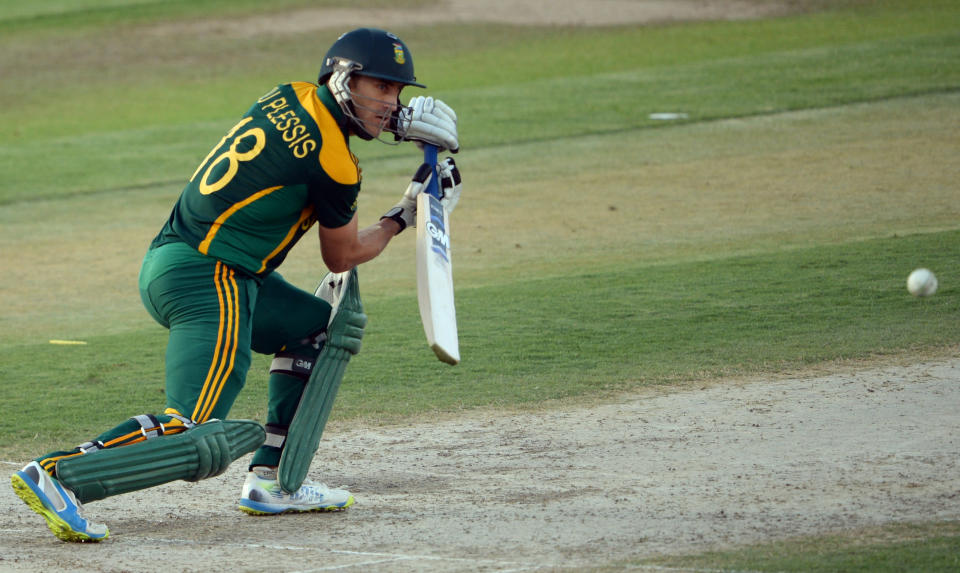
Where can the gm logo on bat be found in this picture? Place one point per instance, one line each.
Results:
(441, 241)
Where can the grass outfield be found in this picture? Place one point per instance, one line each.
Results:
(930, 548)
(596, 250)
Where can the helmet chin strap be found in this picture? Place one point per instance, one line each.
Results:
(339, 85)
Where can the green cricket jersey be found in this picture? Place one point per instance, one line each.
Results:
(285, 166)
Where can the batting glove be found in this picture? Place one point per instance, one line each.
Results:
(405, 212)
(431, 121)
(449, 184)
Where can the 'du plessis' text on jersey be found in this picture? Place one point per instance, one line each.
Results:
(284, 166)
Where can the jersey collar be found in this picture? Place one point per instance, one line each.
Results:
(326, 98)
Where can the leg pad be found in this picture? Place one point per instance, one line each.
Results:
(198, 453)
(344, 336)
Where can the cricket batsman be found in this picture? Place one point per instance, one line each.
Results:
(210, 277)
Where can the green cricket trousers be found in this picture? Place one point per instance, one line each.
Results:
(216, 316)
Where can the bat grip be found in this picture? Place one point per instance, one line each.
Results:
(430, 158)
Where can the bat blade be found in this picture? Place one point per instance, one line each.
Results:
(435, 275)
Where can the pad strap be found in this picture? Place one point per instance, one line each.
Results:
(150, 427)
(293, 365)
(276, 435)
(90, 446)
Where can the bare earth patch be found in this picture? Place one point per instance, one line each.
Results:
(656, 473)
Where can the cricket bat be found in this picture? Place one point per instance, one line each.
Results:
(435, 268)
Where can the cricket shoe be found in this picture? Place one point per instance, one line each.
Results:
(262, 495)
(56, 504)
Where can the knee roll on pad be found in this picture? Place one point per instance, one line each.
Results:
(201, 452)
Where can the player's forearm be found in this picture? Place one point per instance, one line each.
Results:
(370, 242)
(375, 238)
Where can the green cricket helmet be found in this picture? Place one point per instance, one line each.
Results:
(367, 52)
(373, 52)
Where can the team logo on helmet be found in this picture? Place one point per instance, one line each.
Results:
(398, 54)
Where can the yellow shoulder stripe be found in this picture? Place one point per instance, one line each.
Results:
(335, 157)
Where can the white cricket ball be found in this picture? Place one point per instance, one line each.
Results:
(922, 282)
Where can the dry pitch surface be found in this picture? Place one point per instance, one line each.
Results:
(686, 470)
(657, 472)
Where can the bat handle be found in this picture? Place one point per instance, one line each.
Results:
(430, 158)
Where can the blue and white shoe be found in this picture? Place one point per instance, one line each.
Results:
(56, 504)
(262, 495)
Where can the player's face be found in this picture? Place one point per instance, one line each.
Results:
(374, 100)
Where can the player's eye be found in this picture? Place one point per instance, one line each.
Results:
(389, 88)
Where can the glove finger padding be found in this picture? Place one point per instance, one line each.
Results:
(449, 184)
(431, 121)
(437, 113)
(405, 212)
(445, 110)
